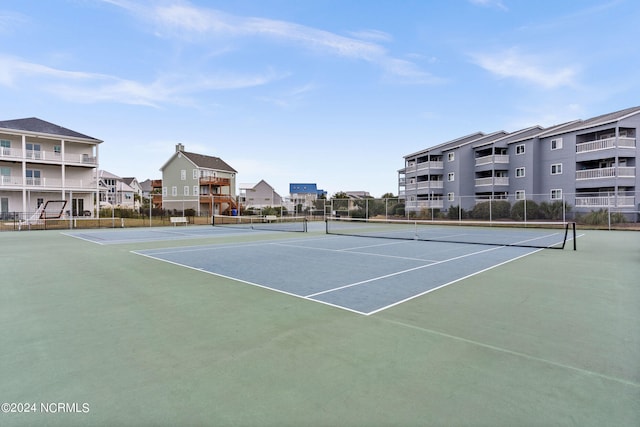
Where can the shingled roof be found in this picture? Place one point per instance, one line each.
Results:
(36, 125)
(208, 162)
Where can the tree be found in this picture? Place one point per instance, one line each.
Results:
(340, 203)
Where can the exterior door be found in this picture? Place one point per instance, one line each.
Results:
(78, 207)
(4, 207)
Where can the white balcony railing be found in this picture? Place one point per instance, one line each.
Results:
(604, 144)
(498, 180)
(494, 158)
(425, 204)
(426, 185)
(427, 165)
(598, 173)
(47, 183)
(46, 156)
(605, 201)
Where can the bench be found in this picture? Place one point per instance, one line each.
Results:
(175, 220)
(270, 218)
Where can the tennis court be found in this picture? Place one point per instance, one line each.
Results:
(204, 325)
(358, 274)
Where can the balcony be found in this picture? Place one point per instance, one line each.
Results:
(215, 181)
(46, 156)
(611, 172)
(605, 144)
(605, 201)
(415, 167)
(497, 180)
(425, 204)
(47, 183)
(495, 158)
(425, 185)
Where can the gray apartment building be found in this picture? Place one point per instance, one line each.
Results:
(587, 164)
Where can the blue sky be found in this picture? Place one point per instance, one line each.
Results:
(333, 92)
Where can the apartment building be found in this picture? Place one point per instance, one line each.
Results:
(41, 161)
(588, 164)
(203, 183)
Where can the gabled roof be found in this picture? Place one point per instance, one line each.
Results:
(458, 141)
(35, 125)
(202, 161)
(519, 135)
(103, 174)
(485, 139)
(604, 119)
(208, 162)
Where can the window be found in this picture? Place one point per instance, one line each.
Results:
(556, 169)
(33, 151)
(519, 172)
(174, 191)
(33, 177)
(196, 190)
(195, 174)
(186, 190)
(556, 144)
(556, 194)
(520, 195)
(451, 176)
(5, 147)
(451, 156)
(57, 149)
(519, 149)
(164, 191)
(451, 197)
(183, 174)
(5, 175)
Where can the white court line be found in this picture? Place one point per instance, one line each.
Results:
(402, 272)
(358, 252)
(514, 353)
(451, 282)
(82, 238)
(251, 283)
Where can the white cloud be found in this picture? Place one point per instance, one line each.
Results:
(529, 68)
(195, 24)
(489, 3)
(94, 87)
(373, 35)
(9, 21)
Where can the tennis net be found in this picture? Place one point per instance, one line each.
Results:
(552, 235)
(262, 222)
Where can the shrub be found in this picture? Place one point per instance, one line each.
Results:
(455, 212)
(553, 210)
(496, 209)
(517, 210)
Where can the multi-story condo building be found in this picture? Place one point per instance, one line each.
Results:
(588, 164)
(203, 183)
(41, 161)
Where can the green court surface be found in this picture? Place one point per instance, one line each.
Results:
(95, 335)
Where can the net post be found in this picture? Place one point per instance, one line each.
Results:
(574, 236)
(566, 233)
